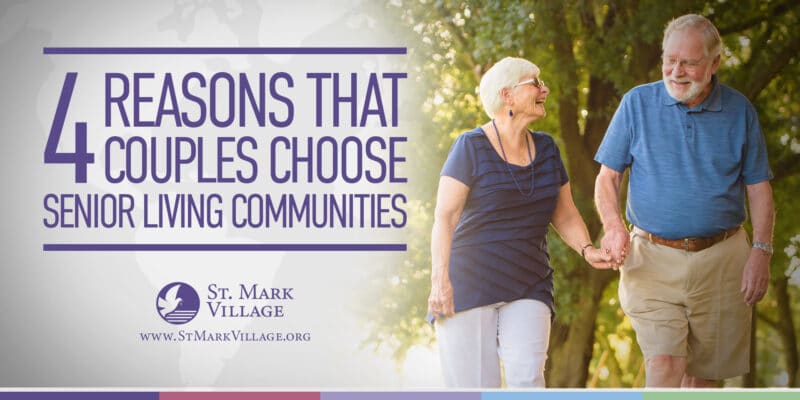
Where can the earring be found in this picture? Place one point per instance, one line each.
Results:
(510, 113)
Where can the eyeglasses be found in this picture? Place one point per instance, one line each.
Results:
(535, 82)
(671, 62)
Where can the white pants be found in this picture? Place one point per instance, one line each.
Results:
(472, 344)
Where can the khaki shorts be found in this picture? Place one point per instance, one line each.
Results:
(690, 304)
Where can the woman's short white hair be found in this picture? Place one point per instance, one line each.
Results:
(504, 74)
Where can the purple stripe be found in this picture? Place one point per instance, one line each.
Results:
(79, 396)
(224, 50)
(224, 247)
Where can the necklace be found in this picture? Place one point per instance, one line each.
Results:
(508, 166)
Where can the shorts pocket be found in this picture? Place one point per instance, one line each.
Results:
(634, 259)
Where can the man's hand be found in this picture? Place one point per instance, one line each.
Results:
(755, 278)
(616, 242)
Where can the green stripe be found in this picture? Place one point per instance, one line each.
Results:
(721, 394)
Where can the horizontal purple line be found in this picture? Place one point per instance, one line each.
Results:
(224, 50)
(80, 395)
(224, 247)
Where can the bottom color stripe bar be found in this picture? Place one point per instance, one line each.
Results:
(722, 394)
(79, 395)
(240, 396)
(571, 395)
(402, 396)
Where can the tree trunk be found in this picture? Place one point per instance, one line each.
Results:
(571, 346)
(786, 328)
(749, 379)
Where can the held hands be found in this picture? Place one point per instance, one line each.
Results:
(598, 259)
(440, 301)
(616, 243)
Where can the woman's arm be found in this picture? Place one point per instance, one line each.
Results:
(569, 224)
(450, 200)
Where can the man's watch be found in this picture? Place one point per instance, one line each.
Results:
(764, 246)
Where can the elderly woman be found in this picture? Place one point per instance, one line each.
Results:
(492, 285)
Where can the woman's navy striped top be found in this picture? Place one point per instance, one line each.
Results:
(499, 249)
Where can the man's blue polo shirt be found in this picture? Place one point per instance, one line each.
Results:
(689, 166)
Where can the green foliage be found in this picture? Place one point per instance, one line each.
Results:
(618, 361)
(398, 319)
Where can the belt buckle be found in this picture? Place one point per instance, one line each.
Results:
(686, 244)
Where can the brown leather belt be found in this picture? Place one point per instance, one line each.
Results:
(688, 244)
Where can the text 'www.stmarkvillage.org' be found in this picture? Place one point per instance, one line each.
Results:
(224, 336)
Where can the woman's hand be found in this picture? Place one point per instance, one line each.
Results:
(450, 200)
(440, 301)
(599, 259)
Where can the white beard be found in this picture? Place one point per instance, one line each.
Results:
(695, 89)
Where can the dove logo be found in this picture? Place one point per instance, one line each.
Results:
(177, 303)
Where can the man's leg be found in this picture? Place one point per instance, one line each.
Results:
(664, 371)
(719, 319)
(695, 382)
(651, 292)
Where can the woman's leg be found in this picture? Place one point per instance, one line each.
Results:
(524, 333)
(468, 348)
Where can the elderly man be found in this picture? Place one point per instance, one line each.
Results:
(689, 277)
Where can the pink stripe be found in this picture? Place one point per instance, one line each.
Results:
(239, 396)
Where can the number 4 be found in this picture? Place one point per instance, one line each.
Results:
(80, 157)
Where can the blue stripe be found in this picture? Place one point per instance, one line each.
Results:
(559, 395)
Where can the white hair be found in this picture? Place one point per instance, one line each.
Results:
(712, 43)
(504, 74)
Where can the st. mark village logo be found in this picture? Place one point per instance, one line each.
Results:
(177, 303)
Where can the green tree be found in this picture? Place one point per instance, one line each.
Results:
(592, 52)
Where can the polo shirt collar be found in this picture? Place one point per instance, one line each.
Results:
(713, 102)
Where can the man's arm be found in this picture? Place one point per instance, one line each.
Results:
(755, 278)
(606, 198)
